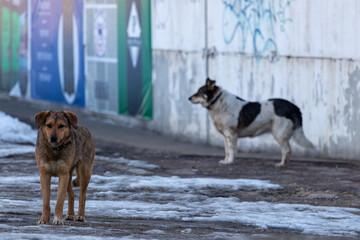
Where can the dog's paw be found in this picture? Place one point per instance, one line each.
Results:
(80, 218)
(57, 221)
(42, 221)
(225, 162)
(280, 165)
(70, 217)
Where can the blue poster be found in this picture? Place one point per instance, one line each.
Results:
(57, 55)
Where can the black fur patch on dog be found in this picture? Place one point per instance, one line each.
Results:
(289, 110)
(248, 114)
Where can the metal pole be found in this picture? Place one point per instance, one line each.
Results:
(207, 67)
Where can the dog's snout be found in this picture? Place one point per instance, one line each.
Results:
(53, 138)
(190, 98)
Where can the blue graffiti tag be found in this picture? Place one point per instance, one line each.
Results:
(256, 20)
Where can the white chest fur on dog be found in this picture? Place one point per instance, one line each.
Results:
(54, 166)
(236, 118)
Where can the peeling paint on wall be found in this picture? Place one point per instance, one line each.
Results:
(351, 109)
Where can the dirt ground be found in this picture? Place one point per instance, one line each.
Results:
(306, 182)
(328, 184)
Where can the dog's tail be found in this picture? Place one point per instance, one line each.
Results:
(300, 138)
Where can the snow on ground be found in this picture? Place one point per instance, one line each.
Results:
(175, 183)
(309, 219)
(56, 236)
(185, 199)
(130, 163)
(7, 150)
(12, 130)
(13, 135)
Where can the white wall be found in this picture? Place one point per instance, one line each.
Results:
(302, 50)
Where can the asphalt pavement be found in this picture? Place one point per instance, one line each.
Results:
(109, 128)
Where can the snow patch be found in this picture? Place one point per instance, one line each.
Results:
(7, 150)
(328, 221)
(176, 183)
(12, 130)
(44, 236)
(132, 163)
(155, 231)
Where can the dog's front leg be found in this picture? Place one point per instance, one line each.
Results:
(45, 180)
(226, 145)
(230, 145)
(62, 187)
(232, 148)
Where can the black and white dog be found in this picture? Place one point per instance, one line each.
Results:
(236, 118)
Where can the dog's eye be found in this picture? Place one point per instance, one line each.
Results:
(49, 125)
(61, 126)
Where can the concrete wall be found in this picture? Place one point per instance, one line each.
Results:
(302, 50)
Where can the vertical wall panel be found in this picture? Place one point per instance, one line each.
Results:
(135, 78)
(178, 39)
(101, 56)
(57, 53)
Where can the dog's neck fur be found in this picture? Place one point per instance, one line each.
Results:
(61, 147)
(214, 100)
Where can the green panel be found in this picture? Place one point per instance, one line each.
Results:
(122, 61)
(15, 41)
(128, 77)
(146, 59)
(5, 41)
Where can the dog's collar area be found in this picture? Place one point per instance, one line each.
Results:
(62, 146)
(213, 101)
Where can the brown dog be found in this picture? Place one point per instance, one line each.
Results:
(61, 147)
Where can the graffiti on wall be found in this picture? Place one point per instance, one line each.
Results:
(256, 22)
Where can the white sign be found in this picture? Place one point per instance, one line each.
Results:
(100, 34)
(134, 28)
(134, 32)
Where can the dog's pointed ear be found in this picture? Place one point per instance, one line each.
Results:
(41, 117)
(210, 83)
(72, 118)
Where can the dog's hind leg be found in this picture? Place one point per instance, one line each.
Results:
(84, 178)
(285, 154)
(76, 181)
(70, 195)
(282, 131)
